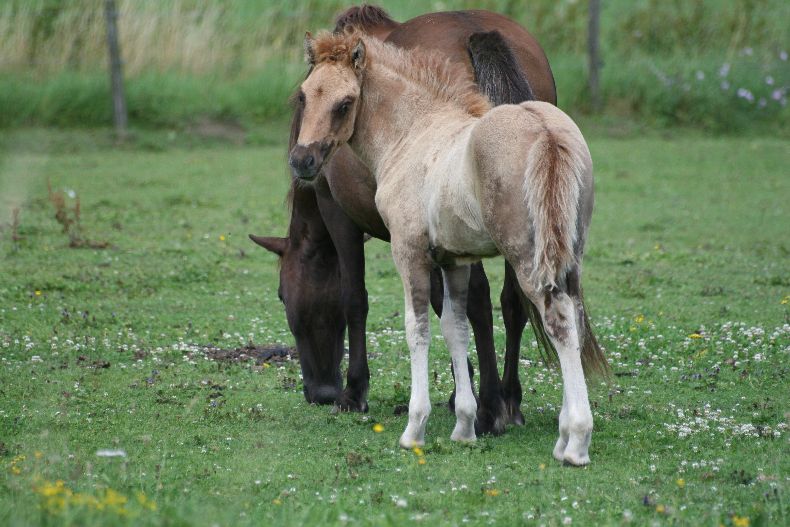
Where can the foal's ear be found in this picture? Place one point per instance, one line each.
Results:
(309, 48)
(358, 55)
(271, 243)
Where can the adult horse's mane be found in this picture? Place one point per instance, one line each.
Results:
(446, 81)
(361, 17)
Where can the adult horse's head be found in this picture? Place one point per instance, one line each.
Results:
(329, 99)
(310, 291)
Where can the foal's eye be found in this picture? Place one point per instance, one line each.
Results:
(300, 98)
(343, 108)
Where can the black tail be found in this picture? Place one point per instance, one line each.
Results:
(496, 69)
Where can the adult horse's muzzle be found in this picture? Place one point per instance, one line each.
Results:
(307, 160)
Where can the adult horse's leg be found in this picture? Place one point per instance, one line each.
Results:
(491, 412)
(349, 242)
(515, 318)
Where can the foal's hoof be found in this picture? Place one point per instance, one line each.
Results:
(573, 451)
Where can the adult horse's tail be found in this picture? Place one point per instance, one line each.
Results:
(496, 69)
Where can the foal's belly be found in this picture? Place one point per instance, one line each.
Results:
(455, 221)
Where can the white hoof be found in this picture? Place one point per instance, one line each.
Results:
(559, 448)
(577, 450)
(463, 433)
(412, 438)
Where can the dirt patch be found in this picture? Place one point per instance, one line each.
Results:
(267, 353)
(223, 130)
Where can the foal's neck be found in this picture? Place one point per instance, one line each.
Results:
(393, 109)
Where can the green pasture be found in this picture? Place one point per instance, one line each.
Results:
(103, 346)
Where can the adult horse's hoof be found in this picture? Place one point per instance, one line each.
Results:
(350, 402)
(515, 417)
(492, 415)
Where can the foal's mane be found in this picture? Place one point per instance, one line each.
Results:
(446, 81)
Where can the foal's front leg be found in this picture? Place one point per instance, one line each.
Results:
(415, 270)
(455, 329)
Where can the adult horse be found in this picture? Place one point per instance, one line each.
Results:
(455, 183)
(322, 258)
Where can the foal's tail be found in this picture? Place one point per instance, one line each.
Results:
(556, 166)
(552, 186)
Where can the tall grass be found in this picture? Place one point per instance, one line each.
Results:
(239, 59)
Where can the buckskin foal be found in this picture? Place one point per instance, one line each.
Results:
(457, 181)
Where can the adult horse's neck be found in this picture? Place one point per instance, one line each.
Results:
(396, 106)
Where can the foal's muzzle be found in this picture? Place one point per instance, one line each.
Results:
(307, 160)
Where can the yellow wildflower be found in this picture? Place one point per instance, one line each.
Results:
(785, 300)
(144, 502)
(639, 318)
(277, 501)
(421, 461)
(38, 293)
(740, 521)
(492, 492)
(695, 336)
(378, 428)
(418, 451)
(222, 237)
(542, 466)
(38, 454)
(681, 482)
(660, 509)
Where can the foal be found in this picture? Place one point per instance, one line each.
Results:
(458, 181)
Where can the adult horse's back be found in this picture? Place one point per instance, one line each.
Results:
(329, 219)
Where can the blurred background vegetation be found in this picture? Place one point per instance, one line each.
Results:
(717, 65)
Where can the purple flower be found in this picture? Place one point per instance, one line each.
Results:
(724, 70)
(769, 80)
(776, 95)
(783, 55)
(743, 93)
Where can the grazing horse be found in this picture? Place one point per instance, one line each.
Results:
(322, 258)
(457, 181)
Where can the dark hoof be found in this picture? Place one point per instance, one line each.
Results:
(348, 402)
(515, 417)
(492, 416)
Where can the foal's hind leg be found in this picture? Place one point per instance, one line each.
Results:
(560, 315)
(455, 329)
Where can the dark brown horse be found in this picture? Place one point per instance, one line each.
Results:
(322, 258)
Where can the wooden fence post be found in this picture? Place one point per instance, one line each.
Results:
(594, 54)
(116, 71)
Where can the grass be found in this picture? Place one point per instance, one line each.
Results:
(686, 278)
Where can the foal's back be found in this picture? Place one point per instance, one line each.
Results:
(505, 141)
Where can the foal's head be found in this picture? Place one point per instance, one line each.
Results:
(329, 99)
